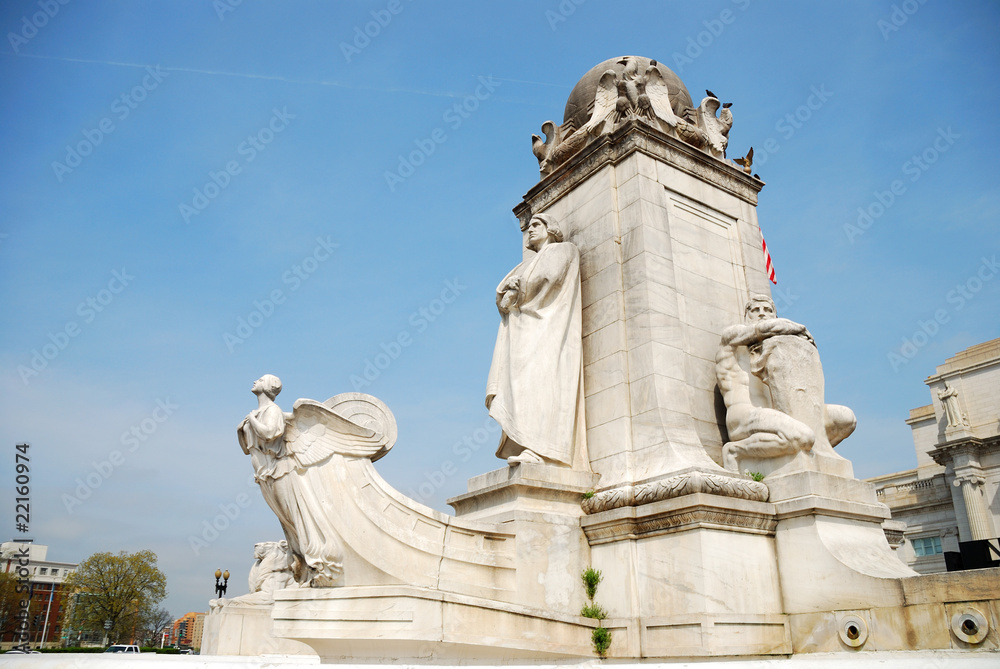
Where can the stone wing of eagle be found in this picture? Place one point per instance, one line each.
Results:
(604, 102)
(351, 424)
(659, 96)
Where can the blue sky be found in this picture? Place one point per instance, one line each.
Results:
(209, 158)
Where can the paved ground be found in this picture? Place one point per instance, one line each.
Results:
(861, 660)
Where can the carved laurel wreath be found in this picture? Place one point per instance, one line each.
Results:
(685, 484)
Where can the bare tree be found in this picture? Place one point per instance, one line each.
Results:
(151, 627)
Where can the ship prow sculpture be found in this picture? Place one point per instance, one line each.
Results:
(669, 483)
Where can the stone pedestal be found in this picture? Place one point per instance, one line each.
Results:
(669, 252)
(494, 497)
(246, 631)
(697, 575)
(831, 546)
(542, 506)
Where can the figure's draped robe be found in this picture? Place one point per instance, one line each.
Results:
(535, 386)
(289, 491)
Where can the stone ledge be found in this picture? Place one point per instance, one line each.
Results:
(694, 511)
(526, 487)
(810, 483)
(955, 586)
(406, 623)
(715, 635)
(924, 630)
(826, 506)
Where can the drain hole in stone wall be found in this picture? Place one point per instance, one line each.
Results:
(853, 632)
(970, 627)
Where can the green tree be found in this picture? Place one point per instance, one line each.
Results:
(121, 590)
(9, 604)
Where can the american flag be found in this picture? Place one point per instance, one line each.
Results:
(767, 260)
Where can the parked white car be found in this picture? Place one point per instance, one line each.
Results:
(122, 648)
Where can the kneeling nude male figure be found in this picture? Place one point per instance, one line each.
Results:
(783, 355)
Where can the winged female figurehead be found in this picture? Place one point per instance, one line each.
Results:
(288, 451)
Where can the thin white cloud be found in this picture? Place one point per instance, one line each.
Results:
(268, 77)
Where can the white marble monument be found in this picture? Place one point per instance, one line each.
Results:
(639, 370)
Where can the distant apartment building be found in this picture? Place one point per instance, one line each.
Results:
(186, 632)
(199, 630)
(951, 501)
(47, 601)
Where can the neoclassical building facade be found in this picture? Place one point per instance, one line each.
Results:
(953, 495)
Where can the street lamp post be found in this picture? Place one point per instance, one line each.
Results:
(220, 588)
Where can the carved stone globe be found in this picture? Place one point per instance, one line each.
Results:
(581, 100)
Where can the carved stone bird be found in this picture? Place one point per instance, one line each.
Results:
(746, 161)
(542, 150)
(716, 127)
(628, 87)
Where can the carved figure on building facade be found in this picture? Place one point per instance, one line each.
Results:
(788, 415)
(952, 409)
(288, 452)
(535, 385)
(271, 571)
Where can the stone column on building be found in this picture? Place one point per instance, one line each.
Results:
(963, 459)
(971, 485)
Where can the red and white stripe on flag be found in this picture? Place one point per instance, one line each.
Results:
(767, 261)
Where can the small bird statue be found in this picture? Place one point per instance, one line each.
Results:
(746, 161)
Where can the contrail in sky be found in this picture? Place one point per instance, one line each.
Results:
(243, 75)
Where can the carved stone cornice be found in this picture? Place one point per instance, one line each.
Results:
(677, 515)
(633, 136)
(676, 486)
(944, 454)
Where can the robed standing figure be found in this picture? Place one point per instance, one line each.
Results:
(535, 387)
